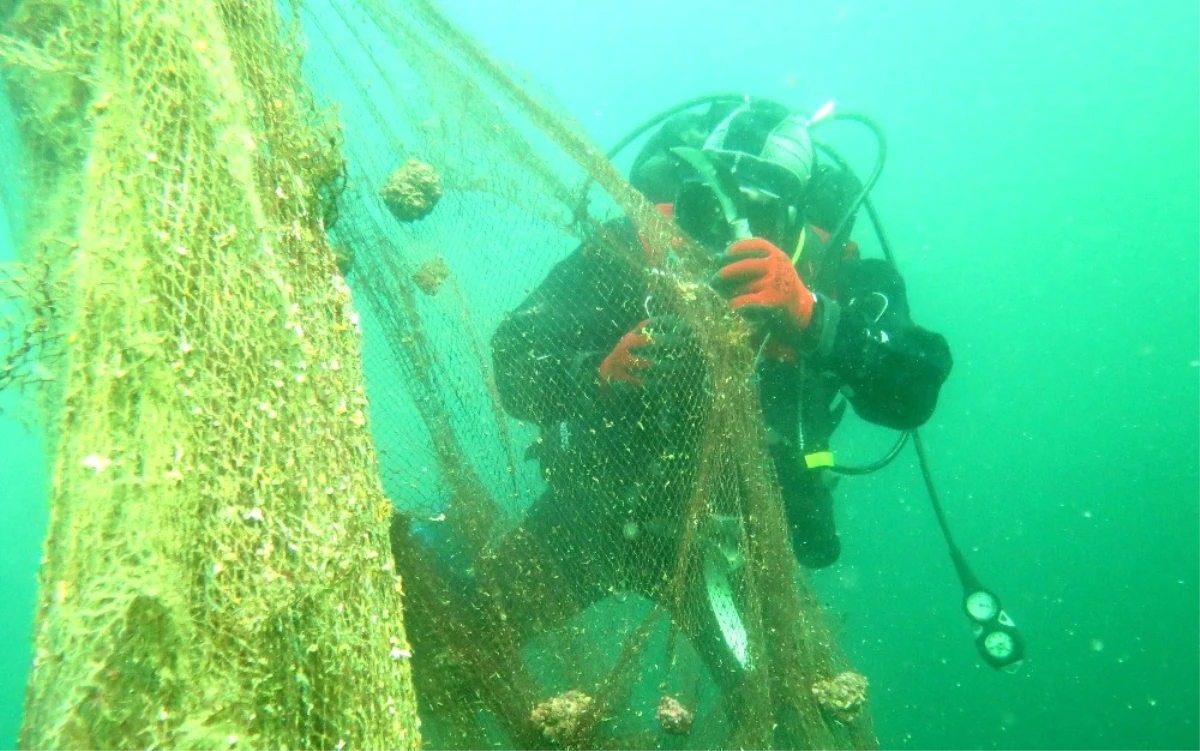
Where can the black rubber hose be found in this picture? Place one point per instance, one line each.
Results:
(837, 236)
(637, 132)
(969, 582)
(876, 465)
(965, 575)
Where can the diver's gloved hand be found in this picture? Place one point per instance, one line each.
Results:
(658, 349)
(623, 364)
(762, 284)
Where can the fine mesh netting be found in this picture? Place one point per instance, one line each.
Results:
(216, 570)
(582, 567)
(585, 568)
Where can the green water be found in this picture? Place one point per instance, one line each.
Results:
(23, 512)
(1042, 197)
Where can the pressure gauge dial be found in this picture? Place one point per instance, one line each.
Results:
(999, 644)
(982, 606)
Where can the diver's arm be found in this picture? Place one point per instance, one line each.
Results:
(547, 351)
(891, 369)
(808, 506)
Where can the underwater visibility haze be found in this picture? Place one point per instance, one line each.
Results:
(1042, 197)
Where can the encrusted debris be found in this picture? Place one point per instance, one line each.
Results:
(673, 717)
(431, 275)
(842, 696)
(412, 191)
(561, 717)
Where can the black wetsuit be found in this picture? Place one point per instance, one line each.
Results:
(548, 350)
(616, 460)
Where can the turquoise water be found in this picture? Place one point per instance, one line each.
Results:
(1042, 197)
(23, 512)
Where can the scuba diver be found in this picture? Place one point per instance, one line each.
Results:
(580, 339)
(612, 386)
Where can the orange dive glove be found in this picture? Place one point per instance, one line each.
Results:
(762, 284)
(622, 364)
(660, 350)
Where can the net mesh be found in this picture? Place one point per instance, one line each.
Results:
(581, 569)
(583, 572)
(217, 571)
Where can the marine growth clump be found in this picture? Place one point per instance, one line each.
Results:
(412, 191)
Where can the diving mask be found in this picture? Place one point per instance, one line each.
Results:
(737, 196)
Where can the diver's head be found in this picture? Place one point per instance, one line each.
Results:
(657, 171)
(746, 163)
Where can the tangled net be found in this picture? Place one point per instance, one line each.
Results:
(27, 346)
(497, 628)
(218, 571)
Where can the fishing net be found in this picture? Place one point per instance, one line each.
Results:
(583, 569)
(217, 571)
(580, 568)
